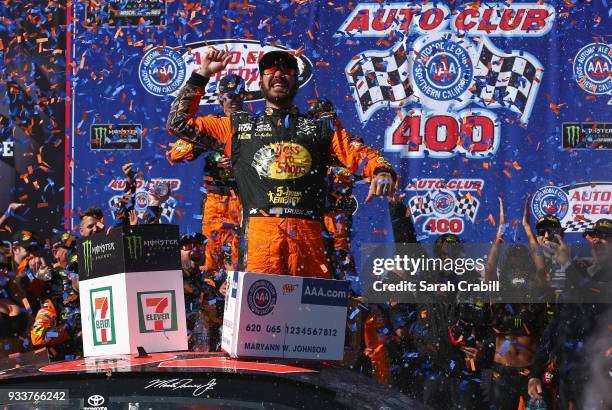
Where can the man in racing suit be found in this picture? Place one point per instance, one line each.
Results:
(280, 160)
(220, 204)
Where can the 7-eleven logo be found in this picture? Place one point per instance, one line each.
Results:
(102, 318)
(157, 311)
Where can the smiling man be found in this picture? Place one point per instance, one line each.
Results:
(280, 160)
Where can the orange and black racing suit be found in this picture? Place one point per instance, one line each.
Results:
(57, 325)
(280, 160)
(221, 210)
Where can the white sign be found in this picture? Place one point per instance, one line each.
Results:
(279, 316)
(123, 311)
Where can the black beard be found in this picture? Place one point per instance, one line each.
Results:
(287, 99)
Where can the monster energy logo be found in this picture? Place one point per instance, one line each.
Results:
(87, 256)
(572, 134)
(134, 245)
(100, 132)
(518, 322)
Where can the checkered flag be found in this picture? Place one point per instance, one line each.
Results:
(506, 80)
(466, 205)
(421, 205)
(578, 226)
(167, 208)
(379, 79)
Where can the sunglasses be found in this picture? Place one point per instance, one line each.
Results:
(551, 232)
(274, 69)
(231, 95)
(191, 246)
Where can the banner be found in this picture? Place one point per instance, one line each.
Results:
(468, 100)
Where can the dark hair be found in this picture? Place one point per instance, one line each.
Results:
(93, 212)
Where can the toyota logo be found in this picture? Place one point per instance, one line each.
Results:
(95, 400)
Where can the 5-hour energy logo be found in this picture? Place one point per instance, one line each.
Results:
(444, 206)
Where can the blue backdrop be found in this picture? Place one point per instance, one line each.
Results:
(468, 101)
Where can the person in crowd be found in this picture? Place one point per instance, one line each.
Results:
(199, 290)
(11, 210)
(451, 337)
(92, 222)
(57, 324)
(280, 160)
(14, 322)
(517, 327)
(221, 210)
(578, 335)
(552, 251)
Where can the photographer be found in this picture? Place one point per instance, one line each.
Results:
(577, 328)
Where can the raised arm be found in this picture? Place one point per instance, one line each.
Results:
(363, 160)
(208, 132)
(538, 259)
(493, 258)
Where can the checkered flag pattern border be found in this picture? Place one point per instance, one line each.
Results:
(506, 80)
(578, 226)
(421, 205)
(379, 80)
(466, 205)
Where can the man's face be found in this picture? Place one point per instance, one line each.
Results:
(192, 255)
(279, 84)
(231, 102)
(19, 253)
(89, 226)
(601, 250)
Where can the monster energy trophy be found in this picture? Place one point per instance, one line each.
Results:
(132, 291)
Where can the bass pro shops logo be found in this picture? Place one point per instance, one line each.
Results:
(261, 297)
(157, 311)
(102, 316)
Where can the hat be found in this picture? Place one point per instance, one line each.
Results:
(319, 107)
(600, 227)
(231, 83)
(448, 238)
(548, 220)
(26, 239)
(276, 58)
(63, 239)
(195, 238)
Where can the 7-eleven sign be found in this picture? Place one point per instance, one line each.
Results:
(102, 316)
(157, 311)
